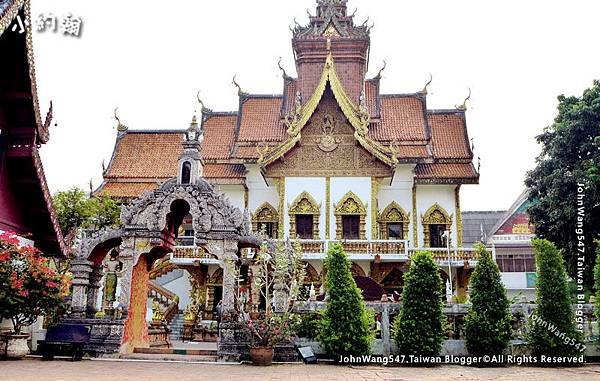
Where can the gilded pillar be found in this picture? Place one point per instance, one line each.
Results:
(281, 207)
(327, 207)
(459, 228)
(374, 206)
(414, 216)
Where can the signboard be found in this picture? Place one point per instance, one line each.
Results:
(307, 355)
(531, 277)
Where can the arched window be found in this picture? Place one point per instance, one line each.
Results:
(435, 221)
(350, 215)
(266, 219)
(393, 222)
(186, 172)
(304, 217)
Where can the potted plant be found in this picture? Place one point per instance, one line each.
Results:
(269, 332)
(29, 288)
(277, 274)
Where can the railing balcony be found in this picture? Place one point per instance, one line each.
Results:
(357, 247)
(192, 252)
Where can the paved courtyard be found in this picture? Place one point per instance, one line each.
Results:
(33, 369)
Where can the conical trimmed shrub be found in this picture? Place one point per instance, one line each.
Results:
(488, 323)
(345, 326)
(551, 328)
(419, 329)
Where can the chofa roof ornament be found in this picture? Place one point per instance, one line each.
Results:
(241, 92)
(120, 126)
(463, 106)
(424, 91)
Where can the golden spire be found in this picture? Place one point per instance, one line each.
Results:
(120, 126)
(463, 106)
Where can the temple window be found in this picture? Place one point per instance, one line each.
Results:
(393, 222)
(304, 215)
(350, 227)
(435, 221)
(186, 172)
(350, 216)
(266, 219)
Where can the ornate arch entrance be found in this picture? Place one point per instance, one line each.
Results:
(150, 227)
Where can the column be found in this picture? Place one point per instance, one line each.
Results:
(126, 256)
(93, 288)
(81, 269)
(385, 329)
(228, 301)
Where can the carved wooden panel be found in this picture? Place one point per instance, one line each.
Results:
(328, 148)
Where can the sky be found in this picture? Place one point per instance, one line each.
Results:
(150, 58)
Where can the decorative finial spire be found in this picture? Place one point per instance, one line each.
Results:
(424, 91)
(120, 126)
(472, 144)
(283, 73)
(241, 92)
(478, 164)
(103, 166)
(378, 76)
(463, 106)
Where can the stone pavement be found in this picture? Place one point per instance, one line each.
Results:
(34, 369)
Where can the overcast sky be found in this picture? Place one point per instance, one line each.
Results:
(150, 58)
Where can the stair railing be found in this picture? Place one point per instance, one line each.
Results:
(167, 299)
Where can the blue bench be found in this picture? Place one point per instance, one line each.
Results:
(65, 337)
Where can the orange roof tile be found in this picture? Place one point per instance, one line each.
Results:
(128, 189)
(261, 120)
(146, 154)
(434, 171)
(371, 96)
(412, 152)
(219, 136)
(223, 171)
(449, 135)
(402, 119)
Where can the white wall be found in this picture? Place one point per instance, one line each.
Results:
(400, 191)
(181, 287)
(259, 191)
(235, 194)
(427, 195)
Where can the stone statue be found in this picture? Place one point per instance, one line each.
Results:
(448, 292)
(113, 268)
(312, 294)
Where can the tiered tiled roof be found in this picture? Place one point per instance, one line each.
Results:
(398, 129)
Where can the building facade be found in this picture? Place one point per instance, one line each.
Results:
(328, 159)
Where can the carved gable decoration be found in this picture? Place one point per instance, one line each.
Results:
(328, 147)
(437, 215)
(305, 204)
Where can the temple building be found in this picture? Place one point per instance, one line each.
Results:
(329, 158)
(25, 201)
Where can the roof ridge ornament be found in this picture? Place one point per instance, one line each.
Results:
(120, 126)
(378, 76)
(203, 109)
(463, 106)
(283, 73)
(424, 91)
(241, 92)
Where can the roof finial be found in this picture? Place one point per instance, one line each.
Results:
(91, 187)
(424, 91)
(241, 92)
(378, 76)
(478, 164)
(284, 74)
(203, 109)
(463, 106)
(353, 13)
(103, 167)
(120, 126)
(472, 144)
(365, 22)
(308, 13)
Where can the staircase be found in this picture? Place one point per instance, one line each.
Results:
(176, 327)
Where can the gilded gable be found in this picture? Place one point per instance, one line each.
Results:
(328, 148)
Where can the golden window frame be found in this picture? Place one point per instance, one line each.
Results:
(393, 214)
(265, 213)
(435, 215)
(304, 204)
(350, 205)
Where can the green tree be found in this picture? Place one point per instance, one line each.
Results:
(345, 326)
(75, 210)
(570, 156)
(488, 323)
(551, 327)
(419, 329)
